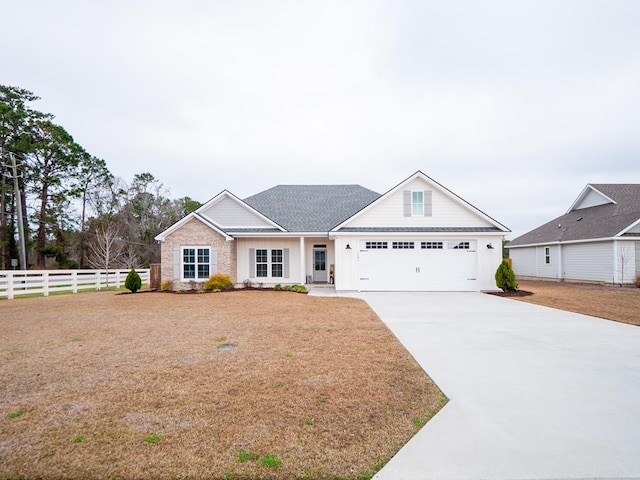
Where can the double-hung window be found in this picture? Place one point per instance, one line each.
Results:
(196, 263)
(276, 263)
(269, 262)
(262, 262)
(547, 255)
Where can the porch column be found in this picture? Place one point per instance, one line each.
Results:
(303, 277)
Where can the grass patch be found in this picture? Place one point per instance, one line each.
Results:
(270, 460)
(16, 414)
(155, 438)
(150, 369)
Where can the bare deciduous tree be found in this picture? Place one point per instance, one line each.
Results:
(105, 248)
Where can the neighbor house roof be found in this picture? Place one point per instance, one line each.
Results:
(311, 208)
(602, 221)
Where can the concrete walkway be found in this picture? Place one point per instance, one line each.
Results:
(535, 393)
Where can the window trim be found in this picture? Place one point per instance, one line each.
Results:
(547, 255)
(269, 262)
(196, 263)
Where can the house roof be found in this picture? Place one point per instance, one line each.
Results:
(608, 220)
(311, 208)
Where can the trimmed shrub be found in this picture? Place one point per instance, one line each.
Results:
(505, 278)
(133, 281)
(166, 286)
(218, 282)
(638, 281)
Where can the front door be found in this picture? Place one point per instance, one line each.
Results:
(320, 265)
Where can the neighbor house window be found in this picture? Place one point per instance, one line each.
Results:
(262, 263)
(547, 255)
(196, 263)
(417, 204)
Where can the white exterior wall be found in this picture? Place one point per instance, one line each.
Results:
(446, 212)
(293, 244)
(626, 261)
(591, 199)
(523, 261)
(296, 275)
(553, 269)
(347, 260)
(588, 261)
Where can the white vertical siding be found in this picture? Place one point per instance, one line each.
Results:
(588, 261)
(293, 244)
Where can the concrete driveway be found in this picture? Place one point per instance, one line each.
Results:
(535, 393)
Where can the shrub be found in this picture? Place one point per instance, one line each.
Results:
(218, 282)
(277, 286)
(166, 286)
(505, 278)
(638, 281)
(133, 281)
(299, 289)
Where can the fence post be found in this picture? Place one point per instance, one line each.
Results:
(10, 285)
(97, 280)
(45, 284)
(74, 282)
(117, 279)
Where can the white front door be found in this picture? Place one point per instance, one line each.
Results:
(320, 265)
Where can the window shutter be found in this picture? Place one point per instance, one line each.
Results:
(214, 261)
(428, 204)
(406, 195)
(177, 264)
(285, 263)
(252, 263)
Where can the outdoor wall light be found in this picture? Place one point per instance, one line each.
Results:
(489, 246)
(348, 247)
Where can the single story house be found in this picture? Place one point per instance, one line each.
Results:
(419, 236)
(597, 240)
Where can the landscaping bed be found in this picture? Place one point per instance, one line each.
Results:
(135, 386)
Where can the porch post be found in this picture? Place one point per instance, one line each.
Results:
(303, 278)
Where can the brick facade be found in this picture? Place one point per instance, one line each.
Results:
(195, 234)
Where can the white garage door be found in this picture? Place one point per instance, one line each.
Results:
(417, 265)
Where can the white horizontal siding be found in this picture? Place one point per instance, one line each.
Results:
(446, 212)
(591, 199)
(551, 269)
(627, 261)
(588, 261)
(524, 261)
(229, 213)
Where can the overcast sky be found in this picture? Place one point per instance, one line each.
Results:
(513, 105)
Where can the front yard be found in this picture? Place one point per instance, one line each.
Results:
(106, 385)
(621, 304)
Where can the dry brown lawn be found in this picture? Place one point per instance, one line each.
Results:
(107, 385)
(621, 304)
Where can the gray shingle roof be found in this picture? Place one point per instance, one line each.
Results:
(311, 208)
(421, 229)
(603, 221)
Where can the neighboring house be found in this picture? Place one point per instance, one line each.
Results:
(598, 239)
(417, 236)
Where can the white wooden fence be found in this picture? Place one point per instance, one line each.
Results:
(47, 282)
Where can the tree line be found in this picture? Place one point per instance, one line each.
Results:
(61, 207)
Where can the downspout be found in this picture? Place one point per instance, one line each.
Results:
(615, 261)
